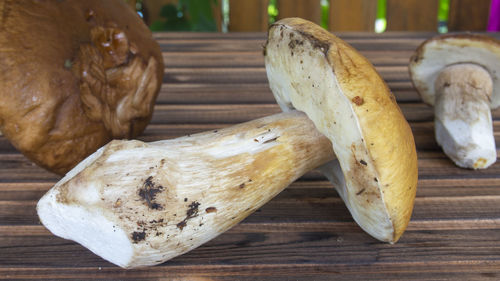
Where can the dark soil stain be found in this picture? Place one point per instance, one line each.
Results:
(148, 193)
(190, 213)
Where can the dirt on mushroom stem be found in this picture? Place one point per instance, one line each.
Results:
(464, 131)
(463, 122)
(154, 201)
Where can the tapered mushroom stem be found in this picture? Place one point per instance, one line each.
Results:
(463, 124)
(139, 204)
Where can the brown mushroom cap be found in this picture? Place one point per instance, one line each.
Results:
(74, 75)
(436, 53)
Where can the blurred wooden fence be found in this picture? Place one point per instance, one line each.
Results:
(351, 15)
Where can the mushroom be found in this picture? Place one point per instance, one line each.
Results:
(457, 74)
(139, 204)
(75, 74)
(376, 172)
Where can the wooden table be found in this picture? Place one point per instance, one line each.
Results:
(215, 80)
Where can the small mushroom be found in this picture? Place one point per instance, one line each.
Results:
(458, 75)
(74, 75)
(139, 204)
(310, 70)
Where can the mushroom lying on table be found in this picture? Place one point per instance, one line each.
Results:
(458, 74)
(139, 204)
(74, 75)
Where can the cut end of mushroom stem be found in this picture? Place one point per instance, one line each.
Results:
(463, 123)
(139, 204)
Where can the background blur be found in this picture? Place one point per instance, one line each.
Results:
(335, 15)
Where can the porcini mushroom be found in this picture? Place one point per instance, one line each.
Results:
(310, 70)
(458, 74)
(74, 75)
(137, 204)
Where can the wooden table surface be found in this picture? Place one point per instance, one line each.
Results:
(305, 233)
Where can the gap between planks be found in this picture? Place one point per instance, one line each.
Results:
(286, 227)
(198, 272)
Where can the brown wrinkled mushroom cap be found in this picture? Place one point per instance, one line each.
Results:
(74, 75)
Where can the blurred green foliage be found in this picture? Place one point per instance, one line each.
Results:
(325, 9)
(443, 10)
(197, 15)
(380, 19)
(381, 7)
(272, 11)
(187, 15)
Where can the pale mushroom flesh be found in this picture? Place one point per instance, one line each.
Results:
(309, 69)
(458, 75)
(139, 204)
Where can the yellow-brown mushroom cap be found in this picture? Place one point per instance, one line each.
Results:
(313, 71)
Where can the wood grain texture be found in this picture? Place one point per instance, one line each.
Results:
(352, 15)
(217, 14)
(248, 15)
(306, 9)
(468, 15)
(412, 15)
(305, 233)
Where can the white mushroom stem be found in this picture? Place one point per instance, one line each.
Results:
(463, 124)
(139, 204)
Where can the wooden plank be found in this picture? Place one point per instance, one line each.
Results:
(347, 250)
(249, 75)
(433, 164)
(468, 15)
(217, 14)
(223, 114)
(254, 241)
(180, 125)
(306, 232)
(248, 15)
(432, 187)
(279, 227)
(168, 37)
(412, 15)
(322, 205)
(256, 35)
(448, 270)
(352, 15)
(256, 93)
(255, 45)
(256, 59)
(306, 9)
